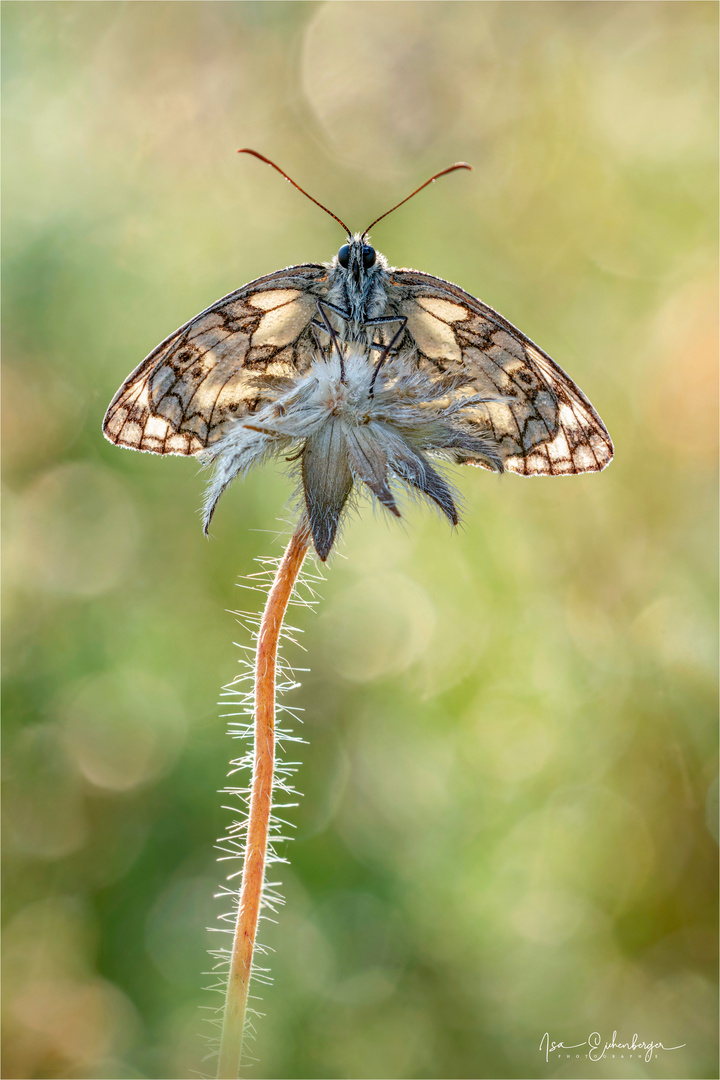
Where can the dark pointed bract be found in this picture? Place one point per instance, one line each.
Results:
(327, 483)
(369, 463)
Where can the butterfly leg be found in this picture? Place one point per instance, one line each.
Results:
(385, 350)
(324, 306)
(330, 330)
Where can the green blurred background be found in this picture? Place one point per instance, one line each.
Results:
(507, 822)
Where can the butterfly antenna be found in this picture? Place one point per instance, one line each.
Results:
(267, 161)
(451, 168)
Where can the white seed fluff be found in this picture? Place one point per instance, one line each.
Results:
(344, 427)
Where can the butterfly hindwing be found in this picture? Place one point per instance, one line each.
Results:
(544, 424)
(218, 366)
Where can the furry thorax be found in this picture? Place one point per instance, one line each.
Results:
(346, 420)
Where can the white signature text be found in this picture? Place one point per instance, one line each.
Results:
(597, 1048)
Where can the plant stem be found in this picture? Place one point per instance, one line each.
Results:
(258, 824)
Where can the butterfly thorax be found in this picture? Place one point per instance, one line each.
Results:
(358, 289)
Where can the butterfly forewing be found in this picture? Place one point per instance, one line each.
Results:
(220, 366)
(540, 420)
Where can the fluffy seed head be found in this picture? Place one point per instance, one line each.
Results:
(345, 422)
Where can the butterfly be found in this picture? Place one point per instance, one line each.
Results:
(228, 362)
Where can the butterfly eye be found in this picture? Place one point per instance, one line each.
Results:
(344, 255)
(368, 256)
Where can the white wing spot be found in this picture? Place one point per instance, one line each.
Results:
(282, 325)
(155, 427)
(433, 336)
(443, 309)
(584, 458)
(273, 298)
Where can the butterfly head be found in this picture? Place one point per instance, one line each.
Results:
(358, 279)
(362, 255)
(357, 257)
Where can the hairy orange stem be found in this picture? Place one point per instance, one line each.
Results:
(258, 825)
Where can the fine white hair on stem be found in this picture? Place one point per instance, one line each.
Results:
(258, 712)
(348, 422)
